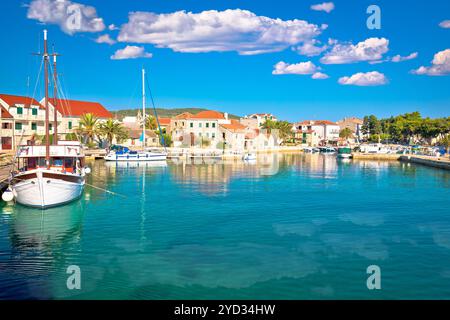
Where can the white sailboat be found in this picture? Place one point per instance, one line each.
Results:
(124, 154)
(48, 175)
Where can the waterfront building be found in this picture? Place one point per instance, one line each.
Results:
(69, 113)
(260, 139)
(22, 118)
(326, 132)
(201, 130)
(256, 120)
(354, 124)
(6, 129)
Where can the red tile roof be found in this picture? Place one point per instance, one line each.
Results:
(234, 126)
(4, 114)
(12, 100)
(209, 115)
(78, 108)
(164, 121)
(317, 123)
(184, 115)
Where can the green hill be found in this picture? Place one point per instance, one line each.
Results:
(162, 113)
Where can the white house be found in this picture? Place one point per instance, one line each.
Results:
(256, 120)
(327, 132)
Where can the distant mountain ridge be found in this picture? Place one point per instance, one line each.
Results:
(162, 113)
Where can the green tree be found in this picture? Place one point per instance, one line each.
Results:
(111, 129)
(88, 127)
(445, 142)
(346, 133)
(151, 123)
(167, 138)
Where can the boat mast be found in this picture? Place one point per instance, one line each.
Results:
(47, 134)
(143, 108)
(55, 100)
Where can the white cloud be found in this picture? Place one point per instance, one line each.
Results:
(131, 52)
(399, 58)
(72, 17)
(310, 48)
(302, 68)
(373, 78)
(371, 49)
(326, 6)
(319, 76)
(229, 30)
(113, 27)
(105, 39)
(440, 65)
(445, 24)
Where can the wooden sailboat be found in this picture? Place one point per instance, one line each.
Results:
(124, 154)
(52, 174)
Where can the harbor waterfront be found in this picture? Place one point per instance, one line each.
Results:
(286, 226)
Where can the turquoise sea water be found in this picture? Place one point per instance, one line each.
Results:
(287, 227)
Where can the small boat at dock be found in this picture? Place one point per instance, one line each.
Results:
(345, 153)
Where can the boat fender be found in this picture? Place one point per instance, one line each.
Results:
(87, 170)
(8, 196)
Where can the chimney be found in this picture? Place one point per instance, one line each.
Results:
(226, 115)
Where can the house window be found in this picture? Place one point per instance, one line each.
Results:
(213, 135)
(200, 125)
(19, 110)
(214, 125)
(70, 125)
(192, 124)
(18, 126)
(182, 123)
(33, 126)
(207, 135)
(200, 134)
(34, 112)
(175, 124)
(207, 124)
(50, 127)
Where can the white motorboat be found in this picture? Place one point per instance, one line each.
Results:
(35, 184)
(124, 154)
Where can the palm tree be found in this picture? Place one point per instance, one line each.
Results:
(88, 127)
(346, 133)
(150, 123)
(111, 129)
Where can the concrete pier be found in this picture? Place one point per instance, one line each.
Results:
(436, 162)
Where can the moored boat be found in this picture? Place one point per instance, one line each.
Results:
(344, 153)
(124, 154)
(47, 175)
(36, 184)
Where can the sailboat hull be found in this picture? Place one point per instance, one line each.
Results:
(140, 156)
(42, 189)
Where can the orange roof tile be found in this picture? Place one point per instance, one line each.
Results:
(317, 123)
(13, 100)
(234, 126)
(209, 115)
(184, 115)
(78, 108)
(4, 114)
(164, 121)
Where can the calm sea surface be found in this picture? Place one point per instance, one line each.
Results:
(287, 227)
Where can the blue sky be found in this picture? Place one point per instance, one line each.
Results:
(225, 60)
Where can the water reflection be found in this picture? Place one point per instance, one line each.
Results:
(41, 242)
